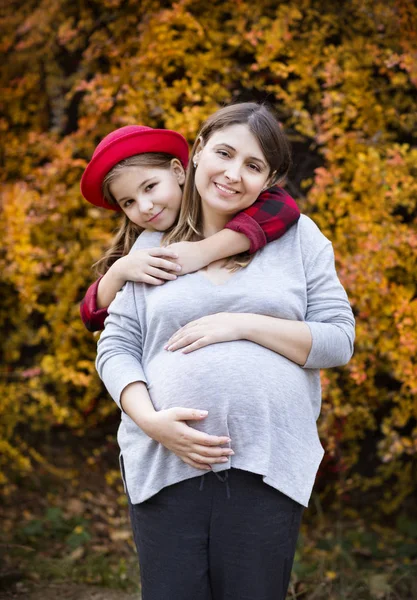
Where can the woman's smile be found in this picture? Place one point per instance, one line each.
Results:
(231, 173)
(225, 189)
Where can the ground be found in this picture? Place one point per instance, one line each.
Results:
(64, 591)
(65, 535)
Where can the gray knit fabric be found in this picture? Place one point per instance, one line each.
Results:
(267, 404)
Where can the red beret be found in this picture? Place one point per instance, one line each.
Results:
(124, 143)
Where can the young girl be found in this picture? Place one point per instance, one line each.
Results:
(255, 337)
(159, 158)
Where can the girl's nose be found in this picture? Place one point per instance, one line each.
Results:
(145, 204)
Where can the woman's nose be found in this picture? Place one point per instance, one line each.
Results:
(232, 172)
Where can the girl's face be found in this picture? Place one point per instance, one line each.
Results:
(231, 171)
(149, 196)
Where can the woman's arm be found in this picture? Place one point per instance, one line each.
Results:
(291, 339)
(329, 314)
(323, 340)
(169, 428)
(119, 364)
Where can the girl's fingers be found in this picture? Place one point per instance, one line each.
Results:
(161, 274)
(162, 252)
(152, 280)
(160, 263)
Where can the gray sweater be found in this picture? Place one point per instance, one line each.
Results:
(267, 404)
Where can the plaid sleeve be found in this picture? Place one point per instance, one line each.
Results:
(273, 213)
(92, 317)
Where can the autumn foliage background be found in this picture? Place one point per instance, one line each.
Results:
(342, 77)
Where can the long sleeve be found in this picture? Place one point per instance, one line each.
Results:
(329, 315)
(273, 213)
(119, 350)
(92, 317)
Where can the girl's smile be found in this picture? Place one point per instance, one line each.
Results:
(156, 216)
(149, 196)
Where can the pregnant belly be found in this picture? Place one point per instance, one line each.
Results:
(232, 378)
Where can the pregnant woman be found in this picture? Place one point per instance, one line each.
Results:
(226, 528)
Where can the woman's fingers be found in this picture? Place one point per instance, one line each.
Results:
(194, 346)
(189, 332)
(185, 338)
(207, 460)
(188, 414)
(196, 464)
(213, 452)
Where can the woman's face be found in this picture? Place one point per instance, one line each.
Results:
(149, 196)
(231, 171)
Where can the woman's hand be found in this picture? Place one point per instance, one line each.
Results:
(151, 266)
(212, 329)
(195, 448)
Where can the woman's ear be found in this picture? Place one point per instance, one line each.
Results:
(270, 181)
(178, 170)
(198, 151)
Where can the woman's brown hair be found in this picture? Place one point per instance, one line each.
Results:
(275, 147)
(128, 232)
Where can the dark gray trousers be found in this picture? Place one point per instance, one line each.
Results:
(226, 536)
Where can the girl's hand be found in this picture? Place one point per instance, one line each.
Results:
(191, 256)
(148, 266)
(212, 329)
(195, 448)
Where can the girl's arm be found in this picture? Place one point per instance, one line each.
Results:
(92, 316)
(267, 219)
(273, 213)
(147, 266)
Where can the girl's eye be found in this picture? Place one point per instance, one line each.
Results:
(223, 153)
(150, 187)
(127, 203)
(254, 167)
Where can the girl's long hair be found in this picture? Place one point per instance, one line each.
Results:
(275, 147)
(128, 232)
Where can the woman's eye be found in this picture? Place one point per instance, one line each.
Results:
(127, 203)
(150, 187)
(223, 153)
(254, 167)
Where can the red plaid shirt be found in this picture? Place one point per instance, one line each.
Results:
(273, 213)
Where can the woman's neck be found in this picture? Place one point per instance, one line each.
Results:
(213, 222)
